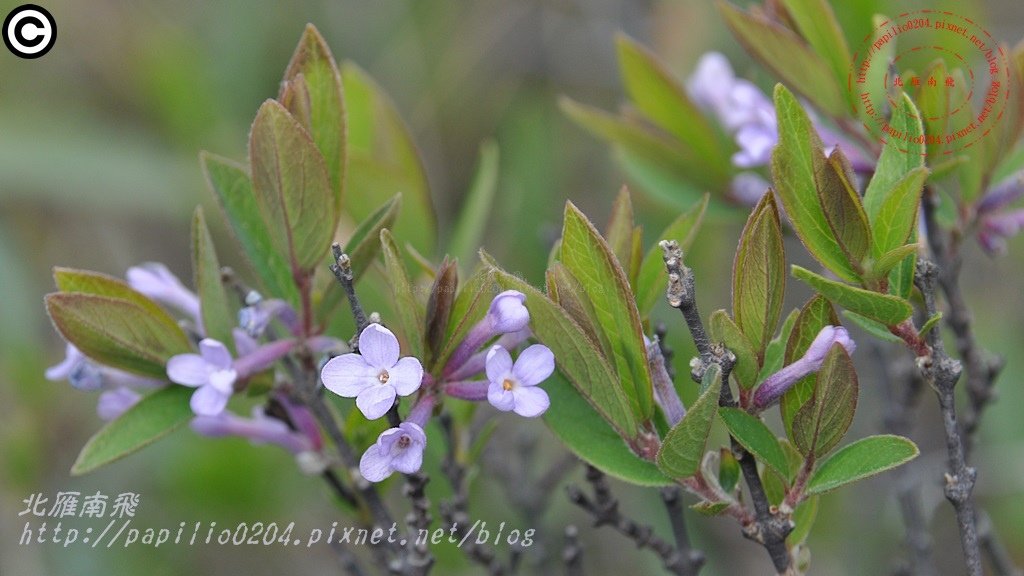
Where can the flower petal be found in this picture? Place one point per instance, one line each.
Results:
(409, 459)
(534, 365)
(188, 369)
(375, 465)
(208, 401)
(375, 401)
(113, 403)
(500, 398)
(72, 357)
(348, 375)
(379, 346)
(498, 364)
(223, 380)
(530, 401)
(406, 376)
(215, 353)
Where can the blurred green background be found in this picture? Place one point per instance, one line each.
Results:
(98, 170)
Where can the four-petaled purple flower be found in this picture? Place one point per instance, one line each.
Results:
(514, 386)
(778, 383)
(211, 371)
(396, 450)
(376, 375)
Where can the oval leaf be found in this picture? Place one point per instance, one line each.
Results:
(884, 308)
(863, 458)
(759, 276)
(821, 422)
(218, 316)
(683, 448)
(756, 438)
(815, 315)
(152, 418)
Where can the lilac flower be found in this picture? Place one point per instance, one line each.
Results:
(507, 314)
(158, 283)
(514, 386)
(747, 113)
(255, 317)
(995, 224)
(396, 450)
(778, 383)
(264, 429)
(211, 371)
(85, 374)
(113, 403)
(376, 375)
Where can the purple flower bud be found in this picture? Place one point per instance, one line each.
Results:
(255, 318)
(507, 312)
(1002, 195)
(115, 402)
(154, 280)
(396, 450)
(263, 429)
(514, 386)
(994, 229)
(376, 375)
(778, 383)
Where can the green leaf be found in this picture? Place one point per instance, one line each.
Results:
(577, 358)
(897, 216)
(817, 24)
(311, 91)
(861, 459)
(231, 185)
(871, 327)
(591, 438)
(362, 247)
(664, 101)
(291, 186)
(653, 279)
(934, 105)
(471, 304)
(683, 448)
(930, 323)
(728, 470)
(888, 310)
(383, 161)
(588, 257)
(899, 157)
(408, 310)
(756, 438)
(788, 57)
(724, 330)
(759, 276)
(218, 317)
(620, 229)
(775, 353)
(117, 332)
(815, 315)
(155, 416)
(795, 162)
(472, 222)
(803, 517)
(841, 205)
(821, 423)
(889, 260)
(656, 149)
(567, 291)
(87, 282)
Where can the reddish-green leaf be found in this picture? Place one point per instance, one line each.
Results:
(821, 423)
(759, 276)
(292, 188)
(815, 315)
(683, 448)
(620, 229)
(841, 204)
(724, 330)
(117, 332)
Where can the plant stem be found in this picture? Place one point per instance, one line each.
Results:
(342, 269)
(692, 558)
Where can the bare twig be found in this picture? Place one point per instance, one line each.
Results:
(347, 559)
(604, 508)
(999, 557)
(770, 528)
(692, 558)
(942, 373)
(342, 269)
(418, 559)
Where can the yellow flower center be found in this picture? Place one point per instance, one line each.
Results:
(507, 384)
(383, 376)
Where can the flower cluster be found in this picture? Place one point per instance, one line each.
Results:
(377, 375)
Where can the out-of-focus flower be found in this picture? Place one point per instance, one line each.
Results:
(113, 403)
(255, 318)
(396, 450)
(778, 383)
(514, 386)
(996, 225)
(376, 375)
(156, 281)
